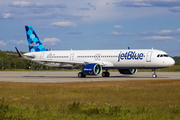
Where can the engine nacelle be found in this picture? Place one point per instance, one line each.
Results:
(92, 69)
(127, 71)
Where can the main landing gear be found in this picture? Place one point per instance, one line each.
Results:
(154, 73)
(105, 74)
(81, 75)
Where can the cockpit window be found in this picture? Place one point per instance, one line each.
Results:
(166, 56)
(162, 55)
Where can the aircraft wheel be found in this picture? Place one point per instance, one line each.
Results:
(105, 74)
(81, 75)
(84, 75)
(154, 76)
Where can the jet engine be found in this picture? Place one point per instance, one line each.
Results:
(92, 69)
(127, 71)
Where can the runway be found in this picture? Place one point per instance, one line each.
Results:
(62, 77)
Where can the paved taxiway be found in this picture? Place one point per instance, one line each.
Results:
(59, 77)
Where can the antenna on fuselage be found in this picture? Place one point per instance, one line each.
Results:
(128, 48)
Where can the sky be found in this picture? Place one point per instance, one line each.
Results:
(92, 24)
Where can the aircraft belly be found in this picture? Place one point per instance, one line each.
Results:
(130, 63)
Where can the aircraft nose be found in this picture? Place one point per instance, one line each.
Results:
(171, 62)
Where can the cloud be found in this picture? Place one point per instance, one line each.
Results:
(16, 42)
(173, 5)
(92, 6)
(179, 40)
(39, 10)
(165, 31)
(2, 43)
(21, 4)
(175, 9)
(118, 26)
(88, 8)
(7, 15)
(58, 15)
(158, 38)
(62, 25)
(132, 3)
(51, 41)
(118, 33)
(148, 3)
(107, 3)
(162, 32)
(163, 3)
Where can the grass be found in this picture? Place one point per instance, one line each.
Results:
(91, 100)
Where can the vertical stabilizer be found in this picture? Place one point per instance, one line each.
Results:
(34, 43)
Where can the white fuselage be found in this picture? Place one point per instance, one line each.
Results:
(108, 59)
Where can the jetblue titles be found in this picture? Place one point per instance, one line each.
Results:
(34, 44)
(131, 55)
(86, 69)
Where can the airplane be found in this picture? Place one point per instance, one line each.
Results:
(93, 62)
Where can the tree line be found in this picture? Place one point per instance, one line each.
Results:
(11, 60)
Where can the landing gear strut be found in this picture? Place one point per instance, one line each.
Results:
(105, 74)
(81, 75)
(154, 73)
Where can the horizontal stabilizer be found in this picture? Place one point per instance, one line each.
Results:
(18, 52)
(29, 56)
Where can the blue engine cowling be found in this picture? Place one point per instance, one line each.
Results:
(92, 69)
(127, 71)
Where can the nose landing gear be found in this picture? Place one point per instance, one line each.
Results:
(154, 73)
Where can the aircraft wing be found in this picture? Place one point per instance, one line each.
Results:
(102, 63)
(57, 61)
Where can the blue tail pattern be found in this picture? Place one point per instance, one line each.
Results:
(34, 43)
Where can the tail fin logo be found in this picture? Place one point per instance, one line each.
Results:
(34, 43)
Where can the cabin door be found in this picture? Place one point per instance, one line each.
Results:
(72, 57)
(148, 57)
(42, 55)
